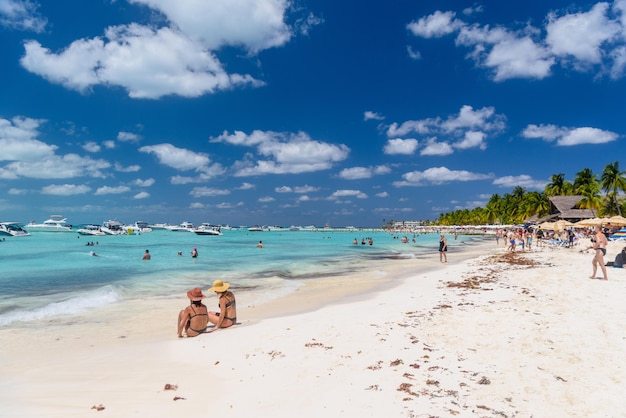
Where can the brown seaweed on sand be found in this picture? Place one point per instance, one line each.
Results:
(98, 407)
(169, 386)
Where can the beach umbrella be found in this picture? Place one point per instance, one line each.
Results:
(616, 220)
(546, 225)
(590, 222)
(561, 224)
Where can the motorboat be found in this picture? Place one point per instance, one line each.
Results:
(208, 229)
(138, 227)
(91, 230)
(258, 228)
(56, 223)
(13, 229)
(185, 226)
(160, 226)
(113, 228)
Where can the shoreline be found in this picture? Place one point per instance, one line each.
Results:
(416, 347)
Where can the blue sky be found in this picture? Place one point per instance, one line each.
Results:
(300, 112)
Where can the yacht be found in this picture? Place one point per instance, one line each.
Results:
(91, 230)
(113, 228)
(56, 223)
(208, 229)
(138, 227)
(13, 229)
(185, 226)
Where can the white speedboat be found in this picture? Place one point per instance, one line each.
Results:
(258, 228)
(91, 230)
(13, 229)
(113, 228)
(56, 223)
(185, 226)
(208, 229)
(138, 227)
(160, 226)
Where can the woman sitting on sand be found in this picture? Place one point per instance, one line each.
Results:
(194, 318)
(227, 316)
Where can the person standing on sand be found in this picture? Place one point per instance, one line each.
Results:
(443, 248)
(599, 248)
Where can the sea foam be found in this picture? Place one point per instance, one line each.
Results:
(105, 295)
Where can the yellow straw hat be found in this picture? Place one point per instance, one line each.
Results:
(219, 286)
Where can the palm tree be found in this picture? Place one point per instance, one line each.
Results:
(535, 203)
(584, 178)
(612, 181)
(558, 186)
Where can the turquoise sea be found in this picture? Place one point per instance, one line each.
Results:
(51, 274)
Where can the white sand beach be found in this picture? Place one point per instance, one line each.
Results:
(496, 334)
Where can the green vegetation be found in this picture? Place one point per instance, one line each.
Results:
(519, 205)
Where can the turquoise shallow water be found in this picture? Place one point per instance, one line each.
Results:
(53, 273)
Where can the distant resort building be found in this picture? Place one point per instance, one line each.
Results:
(564, 207)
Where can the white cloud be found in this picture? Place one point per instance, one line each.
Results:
(108, 144)
(436, 148)
(91, 147)
(569, 136)
(348, 193)
(435, 25)
(415, 55)
(581, 35)
(266, 199)
(112, 190)
(581, 41)
(208, 191)
(128, 137)
(21, 15)
(141, 195)
(305, 189)
(144, 183)
(438, 175)
(467, 129)
(254, 24)
(56, 167)
(246, 186)
(472, 140)
(130, 169)
(382, 194)
(356, 173)
(523, 180)
(18, 140)
(151, 62)
(287, 153)
(283, 189)
(65, 189)
(147, 63)
(400, 146)
(369, 115)
(179, 158)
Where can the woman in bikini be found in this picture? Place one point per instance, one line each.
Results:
(599, 248)
(227, 316)
(194, 318)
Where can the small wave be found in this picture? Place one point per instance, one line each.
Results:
(100, 297)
